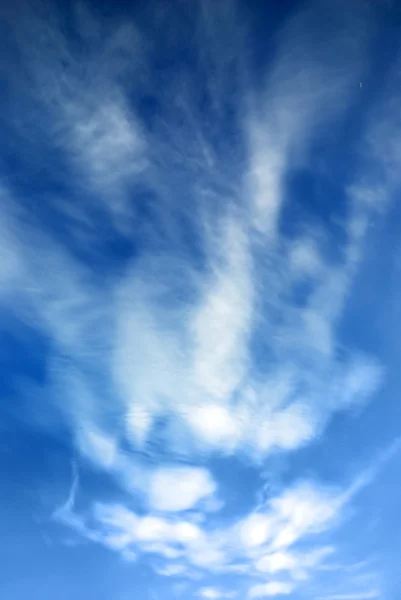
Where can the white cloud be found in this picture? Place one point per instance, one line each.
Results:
(222, 322)
(179, 488)
(187, 533)
(97, 447)
(207, 557)
(176, 342)
(209, 593)
(102, 142)
(151, 529)
(273, 588)
(281, 538)
(209, 386)
(303, 510)
(304, 91)
(215, 425)
(215, 594)
(278, 561)
(287, 429)
(68, 506)
(124, 531)
(297, 564)
(255, 529)
(264, 539)
(117, 516)
(304, 258)
(108, 146)
(171, 570)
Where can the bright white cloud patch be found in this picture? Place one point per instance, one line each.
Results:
(214, 593)
(273, 588)
(180, 488)
(256, 529)
(222, 322)
(215, 425)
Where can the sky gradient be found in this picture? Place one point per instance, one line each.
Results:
(200, 292)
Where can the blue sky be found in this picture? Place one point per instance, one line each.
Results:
(200, 300)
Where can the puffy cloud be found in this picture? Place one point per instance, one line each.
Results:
(255, 529)
(122, 529)
(215, 425)
(179, 488)
(282, 537)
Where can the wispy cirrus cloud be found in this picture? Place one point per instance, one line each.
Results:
(305, 91)
(217, 330)
(201, 348)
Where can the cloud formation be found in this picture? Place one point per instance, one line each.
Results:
(193, 485)
(283, 541)
(191, 284)
(211, 389)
